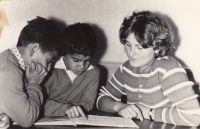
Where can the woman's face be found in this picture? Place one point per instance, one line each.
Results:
(137, 55)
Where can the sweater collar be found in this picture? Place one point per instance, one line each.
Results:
(15, 51)
(61, 65)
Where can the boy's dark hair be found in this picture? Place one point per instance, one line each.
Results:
(79, 38)
(44, 32)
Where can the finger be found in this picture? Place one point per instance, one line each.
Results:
(72, 113)
(49, 67)
(39, 68)
(43, 72)
(33, 66)
(81, 112)
(76, 112)
(137, 110)
(131, 113)
(128, 114)
(7, 126)
(2, 124)
(69, 114)
(124, 114)
(27, 69)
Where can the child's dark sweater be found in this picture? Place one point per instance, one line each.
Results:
(61, 91)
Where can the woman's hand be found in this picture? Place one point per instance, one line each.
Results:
(130, 111)
(4, 121)
(145, 111)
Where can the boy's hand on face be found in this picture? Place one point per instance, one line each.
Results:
(35, 73)
(4, 121)
(130, 111)
(74, 111)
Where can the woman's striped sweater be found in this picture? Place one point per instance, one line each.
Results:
(162, 86)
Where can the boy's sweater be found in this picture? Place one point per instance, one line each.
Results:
(62, 91)
(21, 102)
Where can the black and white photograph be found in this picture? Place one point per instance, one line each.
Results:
(99, 64)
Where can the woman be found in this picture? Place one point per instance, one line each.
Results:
(155, 84)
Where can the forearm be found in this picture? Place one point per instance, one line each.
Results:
(20, 108)
(87, 105)
(108, 104)
(90, 93)
(53, 108)
(174, 116)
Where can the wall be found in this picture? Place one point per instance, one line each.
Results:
(106, 16)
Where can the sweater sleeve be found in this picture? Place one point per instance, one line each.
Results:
(185, 108)
(114, 88)
(21, 107)
(89, 96)
(52, 107)
(55, 108)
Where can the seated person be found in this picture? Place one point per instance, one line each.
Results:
(73, 85)
(23, 68)
(155, 84)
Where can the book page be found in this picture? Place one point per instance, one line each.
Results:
(55, 121)
(105, 121)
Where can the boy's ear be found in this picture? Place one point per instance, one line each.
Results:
(33, 48)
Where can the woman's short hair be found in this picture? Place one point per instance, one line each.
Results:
(149, 29)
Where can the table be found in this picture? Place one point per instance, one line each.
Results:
(146, 124)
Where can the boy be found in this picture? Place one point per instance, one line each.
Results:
(24, 67)
(73, 85)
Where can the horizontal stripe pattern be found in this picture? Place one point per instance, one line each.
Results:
(108, 93)
(190, 111)
(117, 81)
(117, 88)
(175, 70)
(176, 87)
(163, 115)
(159, 104)
(143, 90)
(160, 88)
(144, 75)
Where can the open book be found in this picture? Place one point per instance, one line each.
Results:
(91, 121)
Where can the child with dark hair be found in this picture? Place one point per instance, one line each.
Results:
(73, 85)
(23, 68)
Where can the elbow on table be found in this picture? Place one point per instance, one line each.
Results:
(26, 122)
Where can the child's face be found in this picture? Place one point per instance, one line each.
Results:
(77, 63)
(45, 59)
(137, 55)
